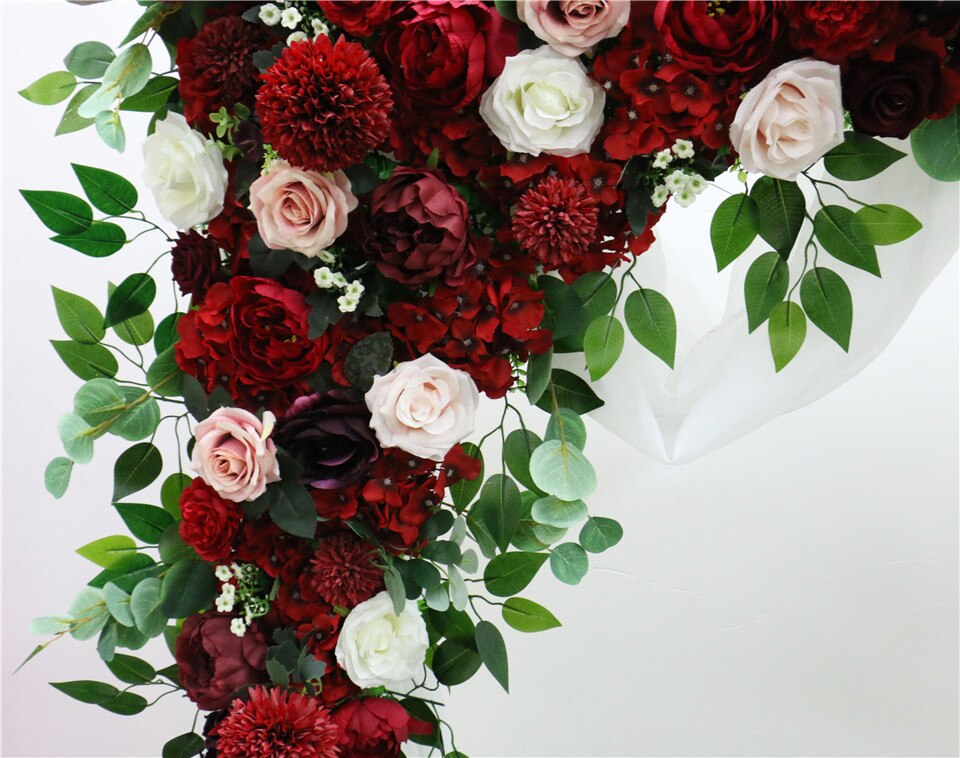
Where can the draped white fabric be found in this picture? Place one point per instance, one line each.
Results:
(724, 385)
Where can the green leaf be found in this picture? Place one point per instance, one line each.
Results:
(454, 664)
(184, 746)
(517, 449)
(132, 670)
(109, 192)
(571, 392)
(423, 573)
(546, 534)
(463, 492)
(764, 286)
(145, 522)
(145, 606)
(884, 224)
(110, 130)
(106, 551)
(826, 299)
(77, 438)
(498, 509)
(527, 616)
(370, 357)
(493, 652)
(651, 321)
(155, 94)
(562, 470)
(152, 18)
(600, 534)
(118, 603)
(80, 319)
(538, 375)
(89, 60)
(131, 298)
(564, 314)
(787, 328)
(507, 9)
(602, 345)
(188, 586)
(136, 468)
(164, 375)
(442, 551)
(56, 477)
(453, 625)
(782, 208)
(597, 292)
(99, 240)
(569, 563)
(71, 120)
(292, 508)
(936, 147)
(86, 361)
(60, 212)
(567, 426)
(733, 227)
(50, 89)
(553, 511)
(90, 611)
(833, 225)
(130, 69)
(170, 491)
(136, 330)
(108, 641)
(166, 335)
(509, 573)
(87, 691)
(99, 401)
(860, 157)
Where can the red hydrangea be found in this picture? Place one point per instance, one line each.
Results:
(399, 497)
(208, 523)
(375, 727)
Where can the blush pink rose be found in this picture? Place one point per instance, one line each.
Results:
(234, 454)
(572, 27)
(302, 210)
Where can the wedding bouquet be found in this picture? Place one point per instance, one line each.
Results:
(381, 211)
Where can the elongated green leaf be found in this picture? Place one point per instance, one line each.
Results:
(166, 334)
(164, 375)
(569, 563)
(509, 573)
(826, 299)
(136, 468)
(733, 227)
(597, 292)
(493, 652)
(936, 147)
(155, 94)
(89, 60)
(152, 18)
(764, 286)
(562, 470)
(454, 664)
(599, 534)
(884, 224)
(602, 345)
(132, 670)
(652, 322)
(833, 225)
(538, 375)
(184, 746)
(782, 209)
(106, 551)
(60, 212)
(71, 120)
(56, 477)
(77, 437)
(188, 586)
(860, 157)
(527, 616)
(86, 361)
(570, 391)
(109, 192)
(80, 319)
(99, 240)
(170, 492)
(517, 449)
(137, 330)
(145, 522)
(291, 507)
(106, 696)
(498, 509)
(787, 329)
(564, 314)
(50, 89)
(132, 297)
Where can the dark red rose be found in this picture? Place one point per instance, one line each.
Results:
(835, 30)
(251, 336)
(717, 37)
(375, 727)
(418, 229)
(208, 522)
(215, 663)
(342, 570)
(195, 263)
(361, 18)
(441, 52)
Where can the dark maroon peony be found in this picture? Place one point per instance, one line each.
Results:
(195, 264)
(329, 435)
(342, 571)
(418, 229)
(375, 727)
(835, 30)
(208, 523)
(555, 221)
(215, 663)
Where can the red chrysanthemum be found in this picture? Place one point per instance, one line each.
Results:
(324, 105)
(275, 722)
(556, 221)
(342, 571)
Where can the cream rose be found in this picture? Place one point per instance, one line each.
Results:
(234, 455)
(543, 102)
(185, 172)
(376, 647)
(301, 210)
(423, 406)
(790, 120)
(572, 27)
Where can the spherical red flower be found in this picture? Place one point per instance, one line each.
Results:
(216, 67)
(274, 722)
(195, 263)
(375, 727)
(208, 522)
(835, 30)
(556, 221)
(342, 570)
(324, 105)
(357, 17)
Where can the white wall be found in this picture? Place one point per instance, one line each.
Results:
(792, 594)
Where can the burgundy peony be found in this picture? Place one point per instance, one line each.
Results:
(375, 727)
(208, 523)
(418, 229)
(329, 435)
(555, 221)
(324, 105)
(357, 17)
(835, 30)
(195, 263)
(342, 570)
(215, 663)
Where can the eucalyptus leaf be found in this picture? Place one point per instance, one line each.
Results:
(562, 470)
(599, 534)
(77, 438)
(56, 477)
(569, 563)
(89, 60)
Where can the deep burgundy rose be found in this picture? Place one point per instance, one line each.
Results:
(329, 434)
(418, 229)
(357, 17)
(215, 663)
(195, 263)
(835, 30)
(375, 727)
(442, 51)
(208, 523)
(718, 37)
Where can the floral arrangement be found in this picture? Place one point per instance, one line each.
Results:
(383, 211)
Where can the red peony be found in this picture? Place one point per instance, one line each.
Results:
(208, 522)
(195, 263)
(834, 30)
(342, 570)
(555, 221)
(375, 727)
(360, 18)
(324, 105)
(274, 722)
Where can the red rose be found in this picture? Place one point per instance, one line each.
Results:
(208, 522)
(357, 17)
(375, 727)
(215, 663)
(419, 229)
(835, 30)
(712, 38)
(251, 336)
(195, 263)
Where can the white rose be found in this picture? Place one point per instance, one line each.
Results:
(790, 120)
(377, 648)
(185, 172)
(423, 406)
(543, 102)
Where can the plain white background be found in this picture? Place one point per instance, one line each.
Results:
(792, 594)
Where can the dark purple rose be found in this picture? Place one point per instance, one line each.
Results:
(195, 263)
(329, 435)
(215, 663)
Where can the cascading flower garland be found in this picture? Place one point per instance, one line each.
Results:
(382, 211)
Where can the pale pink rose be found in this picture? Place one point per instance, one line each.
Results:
(234, 453)
(302, 210)
(572, 27)
(423, 407)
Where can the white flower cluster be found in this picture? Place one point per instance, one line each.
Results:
(682, 183)
(291, 18)
(328, 280)
(239, 586)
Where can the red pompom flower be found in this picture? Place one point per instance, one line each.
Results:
(556, 221)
